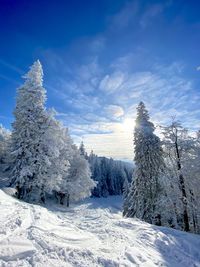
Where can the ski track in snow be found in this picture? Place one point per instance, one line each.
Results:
(89, 234)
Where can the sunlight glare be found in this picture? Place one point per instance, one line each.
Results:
(127, 125)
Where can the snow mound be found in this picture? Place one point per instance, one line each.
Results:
(89, 234)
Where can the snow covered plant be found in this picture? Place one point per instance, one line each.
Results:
(78, 183)
(4, 143)
(165, 188)
(142, 200)
(110, 175)
(43, 156)
(182, 161)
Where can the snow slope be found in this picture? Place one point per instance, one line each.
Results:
(89, 234)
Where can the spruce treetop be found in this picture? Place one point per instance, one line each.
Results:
(31, 93)
(142, 119)
(35, 75)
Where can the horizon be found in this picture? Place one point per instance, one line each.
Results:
(99, 67)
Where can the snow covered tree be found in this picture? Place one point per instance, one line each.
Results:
(142, 201)
(180, 149)
(59, 149)
(110, 175)
(125, 188)
(35, 141)
(78, 183)
(83, 151)
(4, 143)
(96, 173)
(29, 157)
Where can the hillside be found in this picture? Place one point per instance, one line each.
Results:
(92, 233)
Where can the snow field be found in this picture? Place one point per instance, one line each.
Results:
(88, 234)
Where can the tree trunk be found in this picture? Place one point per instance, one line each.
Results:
(183, 191)
(194, 217)
(42, 195)
(68, 200)
(62, 198)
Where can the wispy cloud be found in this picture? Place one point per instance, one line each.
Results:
(112, 82)
(114, 111)
(98, 102)
(11, 66)
(98, 95)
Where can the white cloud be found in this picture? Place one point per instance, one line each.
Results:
(124, 62)
(87, 71)
(93, 98)
(115, 140)
(163, 89)
(198, 68)
(114, 111)
(111, 82)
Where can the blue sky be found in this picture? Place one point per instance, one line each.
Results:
(101, 58)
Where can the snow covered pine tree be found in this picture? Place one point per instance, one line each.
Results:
(78, 182)
(83, 151)
(29, 148)
(4, 143)
(110, 175)
(142, 199)
(43, 155)
(179, 147)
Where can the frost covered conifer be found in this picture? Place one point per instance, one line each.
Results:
(110, 175)
(4, 143)
(78, 183)
(125, 188)
(145, 189)
(59, 154)
(34, 143)
(44, 158)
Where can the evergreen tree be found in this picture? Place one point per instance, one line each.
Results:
(109, 174)
(59, 155)
(28, 129)
(78, 183)
(125, 188)
(4, 143)
(36, 143)
(82, 150)
(142, 201)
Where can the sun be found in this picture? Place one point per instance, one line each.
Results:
(127, 125)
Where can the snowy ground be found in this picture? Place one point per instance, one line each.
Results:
(89, 234)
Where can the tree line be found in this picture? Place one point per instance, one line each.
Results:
(110, 175)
